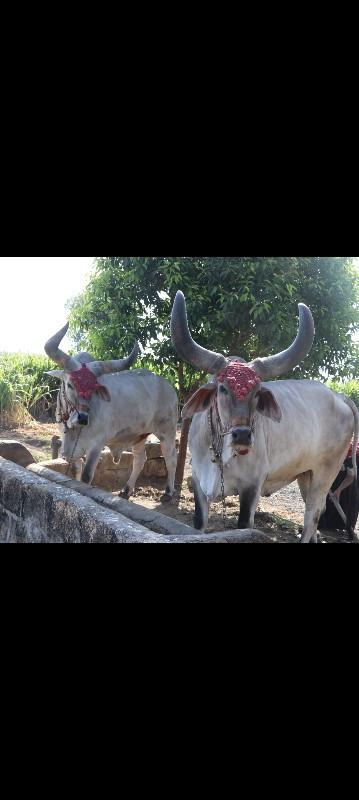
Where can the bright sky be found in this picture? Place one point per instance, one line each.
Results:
(33, 294)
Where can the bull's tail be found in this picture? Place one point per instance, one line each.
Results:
(353, 504)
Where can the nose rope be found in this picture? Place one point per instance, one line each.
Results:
(217, 447)
(64, 417)
(73, 452)
(245, 421)
(76, 443)
(215, 437)
(217, 434)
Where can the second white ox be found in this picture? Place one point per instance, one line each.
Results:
(260, 436)
(103, 403)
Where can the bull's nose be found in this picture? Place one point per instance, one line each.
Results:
(242, 436)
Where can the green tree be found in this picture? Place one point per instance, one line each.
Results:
(245, 306)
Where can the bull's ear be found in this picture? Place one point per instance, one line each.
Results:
(201, 400)
(57, 373)
(268, 406)
(104, 393)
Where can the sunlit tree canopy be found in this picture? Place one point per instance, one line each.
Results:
(245, 306)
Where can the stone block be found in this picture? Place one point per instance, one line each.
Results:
(57, 465)
(155, 468)
(153, 451)
(126, 461)
(15, 452)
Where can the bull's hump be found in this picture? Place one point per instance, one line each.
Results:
(302, 388)
(135, 373)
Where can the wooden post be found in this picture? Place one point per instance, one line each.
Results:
(55, 446)
(182, 452)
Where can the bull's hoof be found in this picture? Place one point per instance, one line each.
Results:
(166, 498)
(125, 493)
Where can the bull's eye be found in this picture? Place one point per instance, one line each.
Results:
(223, 390)
(69, 386)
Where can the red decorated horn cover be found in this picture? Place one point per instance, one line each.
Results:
(240, 378)
(85, 381)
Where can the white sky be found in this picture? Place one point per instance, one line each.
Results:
(33, 294)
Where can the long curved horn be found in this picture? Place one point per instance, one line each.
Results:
(274, 366)
(186, 347)
(64, 361)
(109, 367)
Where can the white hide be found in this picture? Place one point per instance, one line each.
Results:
(313, 437)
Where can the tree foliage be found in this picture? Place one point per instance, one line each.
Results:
(245, 306)
(349, 388)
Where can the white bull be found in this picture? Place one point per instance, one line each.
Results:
(99, 407)
(263, 436)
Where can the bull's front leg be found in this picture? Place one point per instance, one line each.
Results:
(249, 499)
(202, 506)
(92, 459)
(76, 469)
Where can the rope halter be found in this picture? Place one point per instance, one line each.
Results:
(85, 383)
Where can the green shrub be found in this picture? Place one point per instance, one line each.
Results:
(350, 388)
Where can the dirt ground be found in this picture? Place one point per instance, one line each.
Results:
(35, 436)
(280, 516)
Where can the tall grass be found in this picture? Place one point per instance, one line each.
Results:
(24, 386)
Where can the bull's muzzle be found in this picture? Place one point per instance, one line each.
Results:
(82, 418)
(242, 436)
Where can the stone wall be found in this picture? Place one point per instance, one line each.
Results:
(49, 508)
(34, 510)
